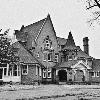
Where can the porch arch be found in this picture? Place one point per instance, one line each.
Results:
(79, 76)
(62, 74)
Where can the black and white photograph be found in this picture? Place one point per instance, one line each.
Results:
(49, 49)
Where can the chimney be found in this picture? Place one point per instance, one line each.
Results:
(86, 45)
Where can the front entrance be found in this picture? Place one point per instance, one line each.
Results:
(62, 74)
(79, 76)
(1, 72)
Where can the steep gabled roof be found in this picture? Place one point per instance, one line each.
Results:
(70, 44)
(96, 65)
(23, 54)
(33, 29)
(81, 53)
(70, 40)
(43, 26)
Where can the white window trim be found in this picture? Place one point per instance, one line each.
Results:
(96, 73)
(40, 71)
(36, 70)
(49, 69)
(44, 76)
(50, 75)
(27, 70)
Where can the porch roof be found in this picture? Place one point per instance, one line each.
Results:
(66, 64)
(96, 65)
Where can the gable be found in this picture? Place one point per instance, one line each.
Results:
(47, 30)
(80, 65)
(33, 29)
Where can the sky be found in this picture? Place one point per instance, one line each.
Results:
(66, 16)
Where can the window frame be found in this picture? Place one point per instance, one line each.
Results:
(26, 69)
(49, 73)
(44, 56)
(56, 57)
(15, 70)
(93, 74)
(47, 44)
(50, 55)
(97, 74)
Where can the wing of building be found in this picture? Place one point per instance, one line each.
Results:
(44, 57)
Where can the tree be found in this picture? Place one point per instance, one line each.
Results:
(7, 51)
(94, 6)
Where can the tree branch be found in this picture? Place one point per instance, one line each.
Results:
(97, 2)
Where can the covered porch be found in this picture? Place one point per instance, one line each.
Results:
(72, 71)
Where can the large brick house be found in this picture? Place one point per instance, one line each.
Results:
(44, 57)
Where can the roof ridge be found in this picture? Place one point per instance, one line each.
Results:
(41, 29)
(34, 23)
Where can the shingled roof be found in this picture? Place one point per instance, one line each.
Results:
(81, 53)
(61, 41)
(66, 64)
(96, 65)
(70, 44)
(24, 55)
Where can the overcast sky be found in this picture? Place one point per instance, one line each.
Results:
(66, 15)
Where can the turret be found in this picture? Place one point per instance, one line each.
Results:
(86, 45)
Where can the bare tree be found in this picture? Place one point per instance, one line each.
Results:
(94, 6)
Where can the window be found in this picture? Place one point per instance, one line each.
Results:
(38, 54)
(10, 70)
(49, 56)
(15, 70)
(5, 71)
(45, 56)
(24, 69)
(49, 69)
(93, 74)
(47, 45)
(70, 57)
(44, 73)
(49, 74)
(56, 57)
(97, 74)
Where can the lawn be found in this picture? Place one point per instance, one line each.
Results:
(50, 92)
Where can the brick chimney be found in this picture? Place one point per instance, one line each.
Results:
(86, 45)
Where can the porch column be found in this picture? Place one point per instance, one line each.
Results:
(57, 72)
(7, 69)
(86, 74)
(74, 70)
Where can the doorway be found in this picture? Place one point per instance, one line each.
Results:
(62, 75)
(79, 76)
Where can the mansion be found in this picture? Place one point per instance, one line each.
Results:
(44, 57)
